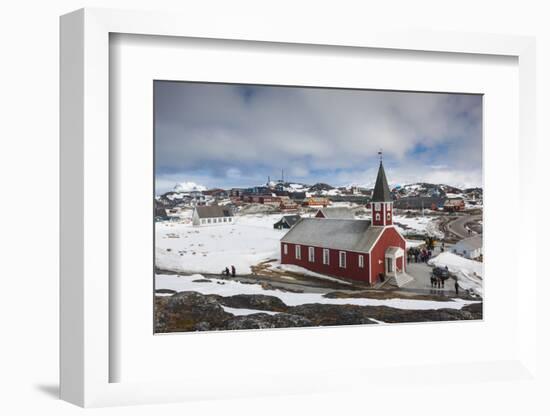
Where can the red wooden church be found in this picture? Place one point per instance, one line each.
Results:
(365, 250)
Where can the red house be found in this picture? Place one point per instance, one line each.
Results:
(365, 250)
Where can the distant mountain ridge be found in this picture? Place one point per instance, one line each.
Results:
(419, 189)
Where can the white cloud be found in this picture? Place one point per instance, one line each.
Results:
(218, 130)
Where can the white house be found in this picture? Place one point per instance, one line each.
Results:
(212, 215)
(471, 247)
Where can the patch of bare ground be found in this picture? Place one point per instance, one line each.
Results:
(265, 270)
(386, 294)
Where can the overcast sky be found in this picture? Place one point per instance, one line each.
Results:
(220, 135)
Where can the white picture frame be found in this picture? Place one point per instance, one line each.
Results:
(85, 217)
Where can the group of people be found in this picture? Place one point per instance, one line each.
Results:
(437, 282)
(226, 272)
(415, 255)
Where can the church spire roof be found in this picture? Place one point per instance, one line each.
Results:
(381, 191)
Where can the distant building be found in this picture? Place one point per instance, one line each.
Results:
(471, 247)
(217, 192)
(298, 196)
(339, 213)
(263, 199)
(362, 250)
(287, 221)
(454, 204)
(287, 204)
(315, 202)
(419, 202)
(236, 192)
(212, 215)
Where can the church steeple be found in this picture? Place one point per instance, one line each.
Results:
(381, 191)
(381, 203)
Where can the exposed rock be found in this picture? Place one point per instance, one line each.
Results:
(260, 302)
(193, 311)
(325, 315)
(201, 281)
(393, 315)
(475, 309)
(263, 320)
(189, 311)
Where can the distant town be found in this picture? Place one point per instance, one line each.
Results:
(257, 251)
(283, 196)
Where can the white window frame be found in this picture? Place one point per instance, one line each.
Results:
(361, 261)
(285, 249)
(298, 252)
(311, 254)
(377, 216)
(341, 263)
(326, 256)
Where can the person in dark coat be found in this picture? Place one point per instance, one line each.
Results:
(233, 270)
(227, 271)
(456, 287)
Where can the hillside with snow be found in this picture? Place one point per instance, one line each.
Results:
(188, 187)
(420, 189)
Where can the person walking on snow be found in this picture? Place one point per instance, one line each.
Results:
(456, 287)
(233, 270)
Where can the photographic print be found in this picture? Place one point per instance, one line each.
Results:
(288, 206)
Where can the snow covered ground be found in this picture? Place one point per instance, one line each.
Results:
(180, 247)
(418, 225)
(469, 272)
(243, 311)
(230, 287)
(247, 242)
